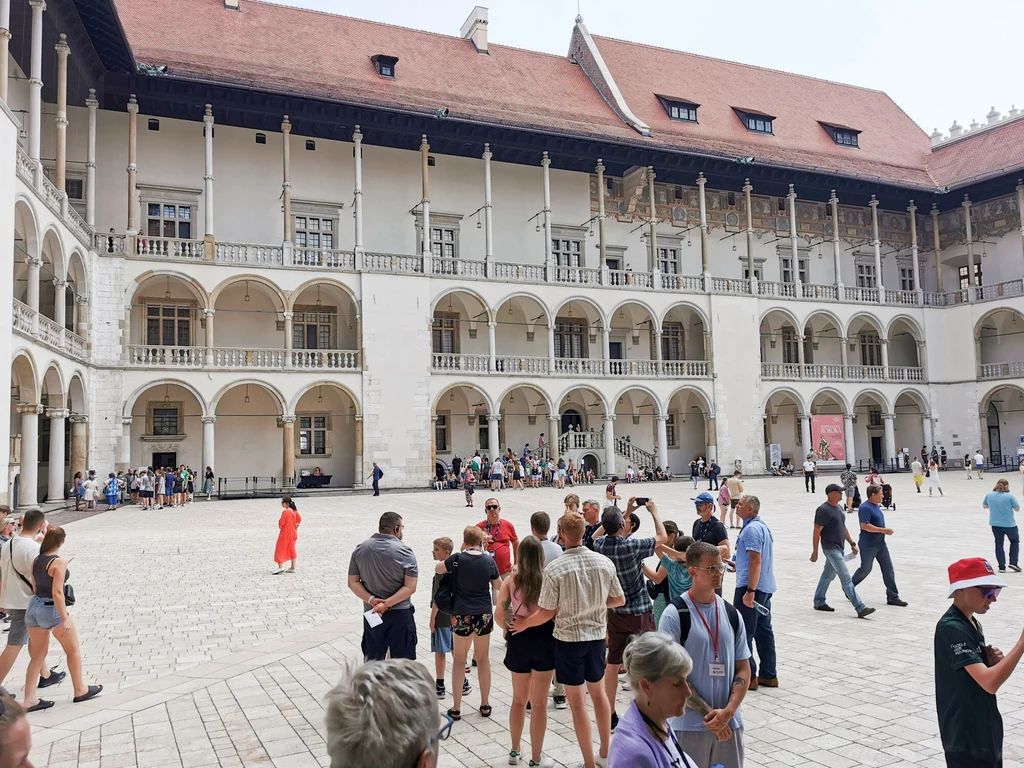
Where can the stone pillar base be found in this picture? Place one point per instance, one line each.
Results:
(209, 248)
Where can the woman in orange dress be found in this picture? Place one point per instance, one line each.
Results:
(289, 525)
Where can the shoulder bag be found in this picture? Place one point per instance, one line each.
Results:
(69, 591)
(444, 598)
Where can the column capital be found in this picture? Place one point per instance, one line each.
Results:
(873, 203)
(209, 312)
(62, 48)
(747, 186)
(286, 127)
(357, 135)
(661, 416)
(493, 418)
(487, 152)
(599, 168)
(78, 418)
(967, 202)
(848, 416)
(287, 419)
(208, 419)
(133, 105)
(57, 413)
(59, 284)
(289, 315)
(792, 192)
(92, 102)
(888, 416)
(608, 417)
(38, 4)
(545, 161)
(5, 33)
(492, 323)
(554, 417)
(126, 421)
(803, 416)
(26, 409)
(80, 299)
(358, 418)
(33, 263)
(424, 144)
(208, 115)
(911, 209)
(833, 198)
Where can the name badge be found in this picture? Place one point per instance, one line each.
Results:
(716, 670)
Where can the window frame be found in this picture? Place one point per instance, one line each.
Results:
(679, 110)
(673, 332)
(189, 306)
(158, 405)
(566, 327)
(786, 265)
(671, 434)
(756, 122)
(870, 348)
(907, 278)
(312, 430)
(300, 323)
(303, 233)
(864, 270)
(963, 276)
(843, 136)
(441, 222)
(439, 324)
(442, 422)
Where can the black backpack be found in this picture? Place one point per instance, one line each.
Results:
(685, 618)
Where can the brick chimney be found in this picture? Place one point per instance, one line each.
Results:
(475, 28)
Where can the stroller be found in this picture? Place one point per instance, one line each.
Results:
(887, 501)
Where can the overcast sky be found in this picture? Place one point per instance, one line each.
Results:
(938, 59)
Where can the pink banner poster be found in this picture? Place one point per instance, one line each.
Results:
(827, 438)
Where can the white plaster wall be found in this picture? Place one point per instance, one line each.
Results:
(8, 141)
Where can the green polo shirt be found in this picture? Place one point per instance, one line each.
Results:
(969, 720)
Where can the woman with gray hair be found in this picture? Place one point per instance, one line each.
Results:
(383, 714)
(15, 735)
(656, 668)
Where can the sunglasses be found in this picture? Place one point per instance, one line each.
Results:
(712, 569)
(492, 506)
(990, 593)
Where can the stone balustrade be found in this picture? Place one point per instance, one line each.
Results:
(835, 372)
(34, 325)
(240, 358)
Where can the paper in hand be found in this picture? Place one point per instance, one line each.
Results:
(373, 619)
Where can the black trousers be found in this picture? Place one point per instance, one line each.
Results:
(809, 481)
(376, 487)
(397, 634)
(964, 760)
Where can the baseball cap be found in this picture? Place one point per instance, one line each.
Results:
(704, 498)
(833, 488)
(612, 521)
(972, 572)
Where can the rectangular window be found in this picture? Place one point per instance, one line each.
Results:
(757, 273)
(673, 346)
(790, 347)
(445, 334)
(165, 421)
(907, 279)
(870, 349)
(168, 325)
(444, 242)
(759, 124)
(314, 232)
(313, 435)
(866, 276)
(670, 433)
(441, 433)
(567, 252)
(314, 328)
(483, 435)
(845, 138)
(875, 418)
(570, 339)
(668, 260)
(169, 220)
(680, 111)
(787, 269)
(964, 282)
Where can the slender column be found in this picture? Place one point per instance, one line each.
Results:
(82, 316)
(493, 444)
(926, 427)
(747, 189)
(288, 448)
(492, 349)
(793, 242)
(606, 350)
(970, 247)
(805, 433)
(32, 295)
(208, 239)
(55, 481)
(133, 170)
(884, 344)
(61, 120)
(358, 462)
(5, 46)
(984, 440)
(488, 223)
(711, 437)
(209, 432)
(844, 354)
(876, 243)
(35, 80)
(705, 267)
(286, 184)
(545, 164)
(60, 289)
(90, 161)
(922, 358)
(602, 244)
(554, 425)
(659, 367)
(357, 209)
(653, 237)
(428, 263)
(833, 202)
(126, 443)
(208, 314)
(29, 454)
(890, 437)
(800, 353)
(662, 422)
(937, 245)
(288, 340)
(79, 443)
(851, 444)
(1020, 203)
(912, 211)
(609, 444)
(551, 349)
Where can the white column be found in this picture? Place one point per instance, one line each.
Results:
(208, 314)
(912, 211)
(705, 261)
(35, 80)
(793, 242)
(55, 482)
(747, 189)
(286, 179)
(833, 202)
(61, 120)
(606, 350)
(659, 367)
(937, 245)
(711, 436)
(885, 357)
(488, 224)
(79, 443)
(34, 263)
(805, 433)
(876, 243)
(662, 422)
(926, 426)
(29, 454)
(126, 443)
(844, 354)
(609, 444)
(358, 460)
(288, 450)
(970, 247)
(851, 444)
(551, 349)
(890, 437)
(545, 164)
(493, 446)
(90, 161)
(5, 46)
(554, 426)
(428, 265)
(800, 353)
(208, 180)
(491, 347)
(288, 341)
(209, 432)
(82, 316)
(60, 288)
(602, 244)
(357, 207)
(653, 234)
(133, 171)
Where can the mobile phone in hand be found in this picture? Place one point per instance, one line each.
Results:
(641, 502)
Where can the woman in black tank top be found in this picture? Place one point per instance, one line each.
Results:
(48, 614)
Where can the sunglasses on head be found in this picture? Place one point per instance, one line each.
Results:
(990, 593)
(492, 506)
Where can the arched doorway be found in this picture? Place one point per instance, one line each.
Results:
(1002, 425)
(571, 418)
(325, 437)
(783, 409)
(590, 463)
(166, 428)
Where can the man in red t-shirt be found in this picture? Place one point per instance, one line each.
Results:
(501, 535)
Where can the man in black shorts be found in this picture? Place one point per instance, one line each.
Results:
(579, 588)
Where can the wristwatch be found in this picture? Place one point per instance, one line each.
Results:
(751, 591)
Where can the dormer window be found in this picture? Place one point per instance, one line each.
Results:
(385, 65)
(841, 135)
(756, 122)
(683, 111)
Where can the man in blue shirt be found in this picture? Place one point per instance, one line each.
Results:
(755, 582)
(873, 546)
(1001, 504)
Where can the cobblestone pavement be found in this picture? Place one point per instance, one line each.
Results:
(209, 660)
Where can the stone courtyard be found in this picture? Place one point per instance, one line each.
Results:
(208, 660)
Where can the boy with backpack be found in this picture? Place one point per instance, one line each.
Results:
(711, 728)
(441, 623)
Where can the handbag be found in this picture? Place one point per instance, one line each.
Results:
(444, 598)
(69, 591)
(927, 473)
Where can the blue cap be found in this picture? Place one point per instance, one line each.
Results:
(704, 498)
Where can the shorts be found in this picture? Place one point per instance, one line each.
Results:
(532, 650)
(395, 635)
(496, 478)
(621, 629)
(733, 503)
(466, 626)
(918, 479)
(41, 614)
(177, 488)
(441, 640)
(18, 635)
(579, 663)
(850, 491)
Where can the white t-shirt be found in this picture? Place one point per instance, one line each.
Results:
(808, 466)
(979, 459)
(497, 467)
(15, 594)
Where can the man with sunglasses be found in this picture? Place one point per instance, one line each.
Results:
(968, 673)
(502, 540)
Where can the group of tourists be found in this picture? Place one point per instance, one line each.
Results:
(145, 487)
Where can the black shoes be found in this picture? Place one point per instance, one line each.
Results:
(1015, 568)
(615, 722)
(54, 679)
(864, 612)
(825, 607)
(897, 602)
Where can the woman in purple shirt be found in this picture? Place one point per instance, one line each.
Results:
(656, 667)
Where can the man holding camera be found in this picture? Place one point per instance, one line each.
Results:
(627, 554)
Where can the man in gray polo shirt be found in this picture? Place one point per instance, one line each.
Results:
(383, 574)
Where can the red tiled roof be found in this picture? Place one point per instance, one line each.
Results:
(892, 147)
(979, 156)
(321, 55)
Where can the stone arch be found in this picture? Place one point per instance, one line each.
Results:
(324, 383)
(655, 318)
(548, 315)
(193, 285)
(25, 376)
(53, 385)
(26, 222)
(129, 404)
(784, 311)
(792, 393)
(77, 272)
(274, 392)
(592, 305)
(77, 394)
(545, 397)
(915, 327)
(659, 407)
(870, 319)
(271, 288)
(602, 400)
(832, 317)
(488, 402)
(978, 326)
(916, 395)
(986, 399)
(52, 245)
(294, 294)
(689, 305)
(461, 289)
(701, 395)
(833, 393)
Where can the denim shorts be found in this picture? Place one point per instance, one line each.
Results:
(441, 640)
(41, 615)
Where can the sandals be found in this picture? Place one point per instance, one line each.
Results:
(43, 704)
(454, 714)
(485, 710)
(94, 691)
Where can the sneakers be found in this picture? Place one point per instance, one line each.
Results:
(897, 602)
(545, 762)
(560, 702)
(439, 689)
(1002, 569)
(825, 607)
(466, 687)
(864, 612)
(513, 757)
(55, 678)
(1015, 568)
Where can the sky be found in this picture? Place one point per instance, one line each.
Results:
(939, 60)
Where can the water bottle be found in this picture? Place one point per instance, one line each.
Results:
(849, 556)
(763, 610)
